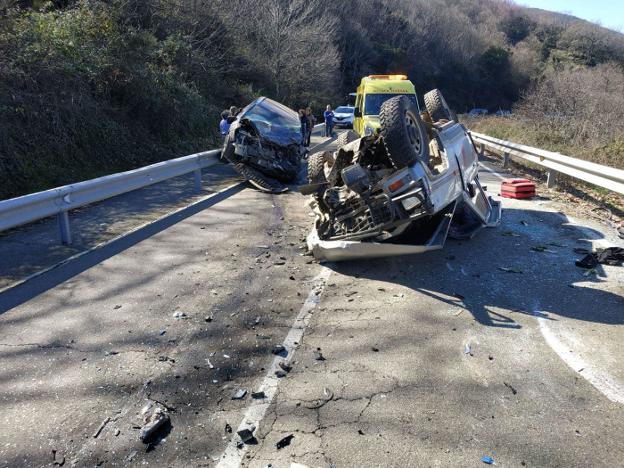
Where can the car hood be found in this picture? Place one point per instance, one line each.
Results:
(274, 121)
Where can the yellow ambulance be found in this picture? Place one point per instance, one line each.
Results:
(373, 91)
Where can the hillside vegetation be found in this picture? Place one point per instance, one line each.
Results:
(92, 87)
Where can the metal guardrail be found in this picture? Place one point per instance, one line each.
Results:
(596, 174)
(58, 201)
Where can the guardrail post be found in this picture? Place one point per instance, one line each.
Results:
(505, 159)
(551, 181)
(198, 181)
(482, 149)
(63, 220)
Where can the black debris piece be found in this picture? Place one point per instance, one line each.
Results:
(280, 350)
(319, 356)
(285, 366)
(510, 387)
(285, 442)
(613, 256)
(247, 435)
(280, 373)
(208, 318)
(228, 428)
(375, 350)
(360, 431)
(258, 395)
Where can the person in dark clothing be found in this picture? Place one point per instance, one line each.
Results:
(329, 121)
(304, 126)
(311, 124)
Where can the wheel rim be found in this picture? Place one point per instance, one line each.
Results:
(413, 131)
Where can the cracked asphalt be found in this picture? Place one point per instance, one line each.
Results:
(429, 360)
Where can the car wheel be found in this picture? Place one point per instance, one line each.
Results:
(404, 134)
(437, 107)
(316, 168)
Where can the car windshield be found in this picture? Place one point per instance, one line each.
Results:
(344, 110)
(273, 120)
(373, 102)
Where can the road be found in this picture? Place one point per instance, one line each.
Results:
(431, 360)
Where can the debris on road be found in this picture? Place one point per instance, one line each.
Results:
(101, 427)
(57, 460)
(510, 387)
(613, 256)
(374, 196)
(228, 428)
(259, 395)
(318, 355)
(264, 145)
(208, 318)
(280, 350)
(510, 270)
(240, 394)
(247, 434)
(517, 188)
(285, 366)
(179, 315)
(468, 349)
(285, 442)
(280, 374)
(155, 418)
(487, 460)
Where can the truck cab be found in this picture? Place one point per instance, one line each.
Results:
(372, 92)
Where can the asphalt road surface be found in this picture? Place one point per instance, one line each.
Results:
(498, 346)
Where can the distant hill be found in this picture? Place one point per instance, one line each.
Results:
(104, 86)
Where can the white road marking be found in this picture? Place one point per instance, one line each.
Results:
(492, 171)
(256, 411)
(601, 380)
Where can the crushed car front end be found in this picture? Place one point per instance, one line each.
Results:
(264, 144)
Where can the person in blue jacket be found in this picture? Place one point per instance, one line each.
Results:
(224, 125)
(329, 121)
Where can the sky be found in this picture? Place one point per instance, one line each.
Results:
(610, 13)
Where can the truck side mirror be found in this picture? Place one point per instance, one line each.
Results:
(357, 112)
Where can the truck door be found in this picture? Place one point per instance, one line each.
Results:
(358, 122)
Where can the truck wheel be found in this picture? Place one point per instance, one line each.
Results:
(345, 138)
(403, 132)
(437, 107)
(316, 168)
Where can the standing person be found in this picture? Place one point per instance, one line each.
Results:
(311, 124)
(233, 111)
(329, 121)
(304, 126)
(224, 125)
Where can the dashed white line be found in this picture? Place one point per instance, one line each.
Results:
(256, 411)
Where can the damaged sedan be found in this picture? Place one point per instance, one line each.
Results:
(264, 145)
(401, 190)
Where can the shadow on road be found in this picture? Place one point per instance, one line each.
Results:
(524, 266)
(39, 284)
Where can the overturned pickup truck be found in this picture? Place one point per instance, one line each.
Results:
(264, 145)
(401, 191)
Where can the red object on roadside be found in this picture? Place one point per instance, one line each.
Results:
(517, 188)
